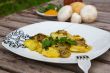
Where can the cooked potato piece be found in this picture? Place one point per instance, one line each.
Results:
(51, 53)
(79, 49)
(76, 37)
(39, 47)
(39, 37)
(60, 33)
(55, 35)
(31, 44)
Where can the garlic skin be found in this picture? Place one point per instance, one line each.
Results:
(88, 13)
(64, 13)
(76, 18)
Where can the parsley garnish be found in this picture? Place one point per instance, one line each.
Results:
(48, 42)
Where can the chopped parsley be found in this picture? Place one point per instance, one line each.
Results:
(48, 42)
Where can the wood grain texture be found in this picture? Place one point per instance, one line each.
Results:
(102, 5)
(12, 63)
(103, 17)
(3, 71)
(4, 31)
(98, 67)
(105, 57)
(22, 19)
(11, 24)
(104, 26)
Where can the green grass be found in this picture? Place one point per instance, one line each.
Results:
(10, 6)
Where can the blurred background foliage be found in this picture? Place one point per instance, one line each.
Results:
(10, 6)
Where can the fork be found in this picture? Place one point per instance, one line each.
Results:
(84, 63)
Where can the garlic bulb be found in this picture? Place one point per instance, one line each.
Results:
(64, 13)
(88, 13)
(76, 18)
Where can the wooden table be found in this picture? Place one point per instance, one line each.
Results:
(12, 63)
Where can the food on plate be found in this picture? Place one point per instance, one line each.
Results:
(50, 9)
(52, 52)
(88, 13)
(51, 12)
(33, 45)
(64, 13)
(77, 6)
(76, 18)
(59, 44)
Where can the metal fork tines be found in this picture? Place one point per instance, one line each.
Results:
(84, 63)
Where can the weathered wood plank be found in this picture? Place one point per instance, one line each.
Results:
(19, 64)
(102, 5)
(31, 14)
(104, 17)
(98, 67)
(3, 71)
(104, 26)
(105, 57)
(11, 24)
(4, 31)
(22, 19)
(94, 69)
(15, 25)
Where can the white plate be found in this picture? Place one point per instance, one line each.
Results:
(97, 38)
(42, 14)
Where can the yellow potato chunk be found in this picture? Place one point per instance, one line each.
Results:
(76, 37)
(39, 48)
(33, 45)
(51, 53)
(54, 35)
(79, 49)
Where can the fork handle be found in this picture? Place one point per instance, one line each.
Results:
(86, 72)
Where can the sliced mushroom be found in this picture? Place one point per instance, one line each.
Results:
(39, 37)
(64, 53)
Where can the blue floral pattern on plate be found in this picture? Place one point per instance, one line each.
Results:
(16, 38)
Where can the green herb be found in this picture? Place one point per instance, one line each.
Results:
(67, 40)
(58, 7)
(51, 6)
(47, 43)
(42, 9)
(62, 39)
(71, 42)
(48, 7)
(50, 41)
